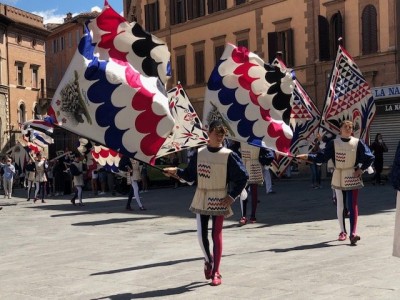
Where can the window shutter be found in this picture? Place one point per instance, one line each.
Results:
(190, 10)
(290, 52)
(323, 36)
(369, 30)
(272, 45)
(172, 16)
(156, 16)
(147, 17)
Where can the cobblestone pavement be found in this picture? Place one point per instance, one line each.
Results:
(101, 251)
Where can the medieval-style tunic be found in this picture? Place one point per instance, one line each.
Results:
(250, 157)
(213, 168)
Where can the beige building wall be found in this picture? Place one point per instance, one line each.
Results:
(256, 18)
(23, 45)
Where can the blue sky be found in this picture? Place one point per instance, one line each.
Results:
(54, 11)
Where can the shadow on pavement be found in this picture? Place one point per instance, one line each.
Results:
(294, 202)
(161, 264)
(157, 293)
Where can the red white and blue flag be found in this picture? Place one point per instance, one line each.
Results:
(188, 131)
(107, 158)
(251, 99)
(46, 126)
(348, 97)
(104, 98)
(304, 121)
(120, 40)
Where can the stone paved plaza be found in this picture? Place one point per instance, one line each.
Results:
(100, 251)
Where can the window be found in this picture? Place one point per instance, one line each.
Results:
(22, 113)
(369, 30)
(34, 43)
(36, 112)
(62, 43)
(78, 37)
(243, 43)
(281, 41)
(323, 42)
(152, 22)
(19, 39)
(181, 69)
(54, 46)
(178, 11)
(336, 31)
(218, 51)
(196, 9)
(199, 66)
(20, 73)
(216, 5)
(69, 39)
(35, 76)
(238, 2)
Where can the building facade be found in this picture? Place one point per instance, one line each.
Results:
(305, 31)
(22, 71)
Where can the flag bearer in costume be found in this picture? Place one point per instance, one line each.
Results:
(351, 157)
(214, 166)
(253, 158)
(76, 168)
(30, 170)
(41, 165)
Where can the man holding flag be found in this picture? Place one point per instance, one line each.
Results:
(214, 166)
(348, 111)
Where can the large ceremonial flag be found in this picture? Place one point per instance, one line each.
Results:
(104, 98)
(348, 97)
(44, 126)
(251, 100)
(19, 155)
(105, 157)
(188, 131)
(304, 121)
(124, 41)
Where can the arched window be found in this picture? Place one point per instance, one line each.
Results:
(36, 112)
(369, 30)
(336, 31)
(22, 113)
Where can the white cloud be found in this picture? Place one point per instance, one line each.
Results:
(96, 8)
(50, 16)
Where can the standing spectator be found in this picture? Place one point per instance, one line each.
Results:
(8, 177)
(76, 169)
(59, 174)
(111, 182)
(266, 162)
(251, 157)
(30, 170)
(103, 180)
(316, 167)
(213, 167)
(143, 174)
(95, 178)
(378, 147)
(3, 162)
(40, 165)
(133, 176)
(50, 179)
(351, 157)
(395, 180)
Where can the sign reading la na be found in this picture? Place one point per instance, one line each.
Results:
(388, 91)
